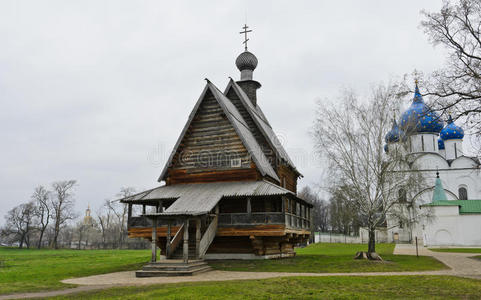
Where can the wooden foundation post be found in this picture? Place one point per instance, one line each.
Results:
(197, 238)
(167, 248)
(154, 240)
(186, 241)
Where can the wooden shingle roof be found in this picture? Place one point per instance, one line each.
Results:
(262, 124)
(262, 163)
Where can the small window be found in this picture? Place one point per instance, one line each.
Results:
(463, 193)
(235, 163)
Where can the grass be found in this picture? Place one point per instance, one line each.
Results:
(25, 270)
(379, 287)
(457, 250)
(334, 258)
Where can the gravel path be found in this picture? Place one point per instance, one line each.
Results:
(460, 263)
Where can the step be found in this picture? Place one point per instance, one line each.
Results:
(191, 257)
(175, 262)
(166, 273)
(173, 267)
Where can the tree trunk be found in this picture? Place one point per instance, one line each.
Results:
(22, 238)
(371, 248)
(39, 245)
(55, 235)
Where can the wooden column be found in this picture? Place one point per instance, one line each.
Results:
(143, 209)
(249, 207)
(197, 238)
(186, 240)
(129, 215)
(154, 240)
(167, 247)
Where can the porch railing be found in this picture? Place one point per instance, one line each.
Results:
(290, 220)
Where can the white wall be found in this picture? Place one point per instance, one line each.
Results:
(424, 142)
(454, 148)
(449, 228)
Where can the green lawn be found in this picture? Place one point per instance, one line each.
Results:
(458, 250)
(23, 270)
(382, 287)
(333, 258)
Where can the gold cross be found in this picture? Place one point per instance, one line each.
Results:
(245, 35)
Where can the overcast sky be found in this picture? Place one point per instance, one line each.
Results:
(98, 91)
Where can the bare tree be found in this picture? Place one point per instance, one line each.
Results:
(320, 212)
(62, 206)
(81, 230)
(457, 87)
(20, 223)
(41, 199)
(343, 214)
(104, 217)
(349, 134)
(119, 210)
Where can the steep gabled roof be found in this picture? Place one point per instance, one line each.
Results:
(261, 122)
(240, 127)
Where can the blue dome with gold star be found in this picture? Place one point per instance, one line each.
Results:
(440, 144)
(419, 117)
(451, 131)
(395, 134)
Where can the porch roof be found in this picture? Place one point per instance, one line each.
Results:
(201, 198)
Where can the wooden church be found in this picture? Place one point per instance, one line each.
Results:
(230, 186)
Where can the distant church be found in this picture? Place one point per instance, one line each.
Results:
(436, 150)
(230, 186)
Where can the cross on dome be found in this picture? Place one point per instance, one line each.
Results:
(245, 35)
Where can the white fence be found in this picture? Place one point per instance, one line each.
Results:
(362, 238)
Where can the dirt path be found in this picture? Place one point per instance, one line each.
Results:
(460, 264)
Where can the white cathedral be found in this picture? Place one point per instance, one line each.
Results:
(453, 194)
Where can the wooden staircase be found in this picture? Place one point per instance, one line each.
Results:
(175, 264)
(173, 267)
(179, 251)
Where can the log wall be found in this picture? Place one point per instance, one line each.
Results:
(206, 152)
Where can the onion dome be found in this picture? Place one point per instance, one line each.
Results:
(395, 134)
(440, 144)
(419, 117)
(246, 61)
(451, 131)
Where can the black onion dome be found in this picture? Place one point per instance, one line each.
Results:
(246, 61)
